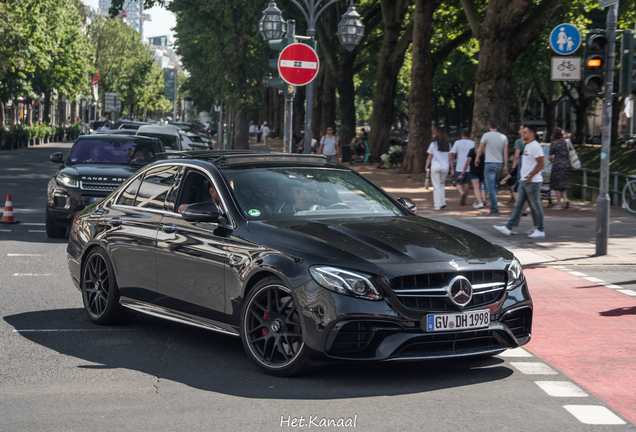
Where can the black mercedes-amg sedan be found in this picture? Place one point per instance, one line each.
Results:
(306, 261)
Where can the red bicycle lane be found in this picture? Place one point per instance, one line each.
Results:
(587, 332)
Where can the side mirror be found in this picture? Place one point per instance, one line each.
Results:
(57, 157)
(409, 204)
(201, 212)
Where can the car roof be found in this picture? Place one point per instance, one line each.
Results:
(159, 129)
(234, 158)
(112, 135)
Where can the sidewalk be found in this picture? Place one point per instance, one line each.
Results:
(570, 234)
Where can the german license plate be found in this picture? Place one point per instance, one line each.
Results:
(96, 199)
(457, 321)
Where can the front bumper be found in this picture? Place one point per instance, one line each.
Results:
(64, 203)
(343, 328)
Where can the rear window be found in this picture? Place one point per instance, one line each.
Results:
(112, 151)
(169, 141)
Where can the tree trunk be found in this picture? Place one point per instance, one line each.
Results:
(492, 85)
(47, 108)
(421, 95)
(316, 120)
(617, 107)
(389, 64)
(240, 120)
(29, 112)
(3, 124)
(346, 93)
(328, 116)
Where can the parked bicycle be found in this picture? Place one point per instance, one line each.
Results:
(629, 195)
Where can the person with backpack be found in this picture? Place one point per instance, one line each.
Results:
(329, 146)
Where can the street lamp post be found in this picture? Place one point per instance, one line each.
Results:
(350, 33)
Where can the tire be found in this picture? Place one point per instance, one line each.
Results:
(271, 330)
(53, 230)
(100, 293)
(629, 196)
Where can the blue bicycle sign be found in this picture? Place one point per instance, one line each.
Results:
(565, 39)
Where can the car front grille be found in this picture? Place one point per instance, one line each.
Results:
(102, 186)
(448, 344)
(360, 339)
(430, 291)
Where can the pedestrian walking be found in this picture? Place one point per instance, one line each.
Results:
(265, 132)
(460, 150)
(516, 161)
(259, 133)
(530, 181)
(476, 175)
(438, 162)
(329, 146)
(252, 130)
(560, 172)
(495, 146)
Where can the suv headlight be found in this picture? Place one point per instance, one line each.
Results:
(345, 282)
(515, 274)
(66, 180)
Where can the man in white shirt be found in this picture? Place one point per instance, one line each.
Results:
(530, 181)
(460, 150)
(265, 131)
(495, 145)
(329, 146)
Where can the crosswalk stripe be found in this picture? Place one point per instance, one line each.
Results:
(561, 389)
(533, 368)
(515, 352)
(594, 414)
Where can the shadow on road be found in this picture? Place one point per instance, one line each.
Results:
(212, 362)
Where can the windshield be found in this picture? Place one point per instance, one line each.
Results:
(282, 193)
(111, 151)
(169, 141)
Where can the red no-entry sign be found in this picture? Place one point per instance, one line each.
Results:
(298, 64)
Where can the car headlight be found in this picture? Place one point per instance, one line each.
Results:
(515, 274)
(345, 282)
(66, 180)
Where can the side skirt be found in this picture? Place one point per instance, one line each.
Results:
(180, 317)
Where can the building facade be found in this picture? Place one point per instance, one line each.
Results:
(132, 13)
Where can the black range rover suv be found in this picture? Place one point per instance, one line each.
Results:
(94, 167)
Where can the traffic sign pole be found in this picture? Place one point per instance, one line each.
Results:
(289, 98)
(603, 201)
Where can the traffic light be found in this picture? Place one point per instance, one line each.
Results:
(279, 83)
(594, 69)
(628, 64)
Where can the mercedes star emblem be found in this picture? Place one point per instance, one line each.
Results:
(460, 291)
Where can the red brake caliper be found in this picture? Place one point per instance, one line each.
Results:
(266, 318)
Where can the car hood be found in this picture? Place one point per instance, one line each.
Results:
(107, 172)
(382, 241)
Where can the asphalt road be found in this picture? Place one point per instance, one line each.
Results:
(59, 372)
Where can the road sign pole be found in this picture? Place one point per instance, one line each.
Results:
(309, 103)
(289, 103)
(603, 201)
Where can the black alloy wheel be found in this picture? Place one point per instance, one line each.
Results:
(99, 290)
(271, 331)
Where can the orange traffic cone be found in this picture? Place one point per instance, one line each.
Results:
(7, 216)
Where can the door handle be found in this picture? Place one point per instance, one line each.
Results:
(115, 222)
(169, 229)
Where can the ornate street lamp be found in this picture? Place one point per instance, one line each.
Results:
(272, 26)
(350, 29)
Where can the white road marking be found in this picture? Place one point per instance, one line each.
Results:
(534, 368)
(579, 274)
(62, 330)
(4, 230)
(561, 389)
(593, 279)
(23, 255)
(515, 352)
(593, 414)
(612, 286)
(37, 231)
(31, 274)
(33, 223)
(628, 292)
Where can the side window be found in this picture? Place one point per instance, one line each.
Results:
(196, 188)
(127, 197)
(171, 200)
(154, 189)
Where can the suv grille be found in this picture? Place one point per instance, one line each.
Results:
(102, 186)
(429, 291)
